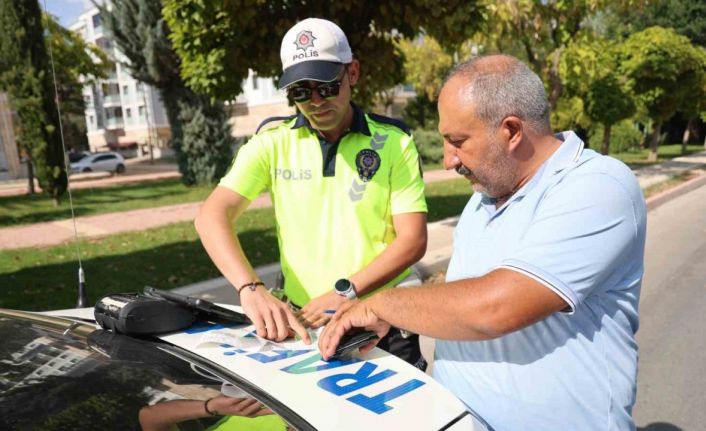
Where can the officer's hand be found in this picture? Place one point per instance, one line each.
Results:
(272, 318)
(228, 406)
(352, 314)
(319, 310)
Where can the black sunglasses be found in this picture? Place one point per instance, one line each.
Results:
(327, 90)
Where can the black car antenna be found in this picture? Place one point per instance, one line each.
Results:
(82, 300)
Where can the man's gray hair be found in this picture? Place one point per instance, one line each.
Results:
(500, 86)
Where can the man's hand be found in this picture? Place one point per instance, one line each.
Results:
(352, 314)
(272, 318)
(314, 314)
(227, 406)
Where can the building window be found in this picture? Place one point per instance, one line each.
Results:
(142, 112)
(128, 113)
(97, 21)
(254, 81)
(90, 119)
(126, 90)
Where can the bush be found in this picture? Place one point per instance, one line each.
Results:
(421, 113)
(204, 149)
(624, 137)
(430, 145)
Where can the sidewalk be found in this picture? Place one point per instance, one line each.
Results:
(57, 232)
(138, 170)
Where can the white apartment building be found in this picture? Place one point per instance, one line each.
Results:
(121, 112)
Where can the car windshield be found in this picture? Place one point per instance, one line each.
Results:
(49, 380)
(75, 157)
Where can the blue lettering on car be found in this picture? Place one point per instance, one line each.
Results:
(361, 378)
(377, 404)
(303, 367)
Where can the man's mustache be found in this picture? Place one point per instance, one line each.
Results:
(462, 170)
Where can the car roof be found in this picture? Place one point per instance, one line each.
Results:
(374, 391)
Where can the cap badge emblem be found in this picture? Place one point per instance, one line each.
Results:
(305, 39)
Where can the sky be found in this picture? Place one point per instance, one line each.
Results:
(66, 10)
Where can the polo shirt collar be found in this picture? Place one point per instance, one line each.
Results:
(358, 125)
(566, 155)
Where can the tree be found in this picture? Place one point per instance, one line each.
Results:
(76, 64)
(588, 71)
(218, 41)
(686, 17)
(142, 35)
(664, 71)
(26, 75)
(425, 65)
(539, 31)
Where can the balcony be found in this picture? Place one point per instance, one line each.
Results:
(111, 100)
(114, 123)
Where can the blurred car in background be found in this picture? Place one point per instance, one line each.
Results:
(96, 162)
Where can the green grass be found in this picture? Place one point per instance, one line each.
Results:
(164, 257)
(664, 152)
(16, 210)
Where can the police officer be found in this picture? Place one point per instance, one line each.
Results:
(346, 189)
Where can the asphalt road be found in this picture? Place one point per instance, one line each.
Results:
(672, 336)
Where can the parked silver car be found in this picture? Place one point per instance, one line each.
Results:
(104, 161)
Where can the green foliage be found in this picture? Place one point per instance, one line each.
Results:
(204, 150)
(587, 70)
(686, 17)
(200, 130)
(569, 114)
(420, 113)
(625, 137)
(425, 65)
(25, 74)
(664, 70)
(667, 73)
(538, 32)
(217, 41)
(430, 145)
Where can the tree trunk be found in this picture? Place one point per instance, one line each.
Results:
(687, 135)
(654, 141)
(605, 149)
(30, 177)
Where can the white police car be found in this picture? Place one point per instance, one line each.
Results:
(60, 371)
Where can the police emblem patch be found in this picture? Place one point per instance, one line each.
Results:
(305, 39)
(368, 163)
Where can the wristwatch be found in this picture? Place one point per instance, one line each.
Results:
(345, 288)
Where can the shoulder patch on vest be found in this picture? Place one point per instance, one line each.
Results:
(271, 119)
(392, 121)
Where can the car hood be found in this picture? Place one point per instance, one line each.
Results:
(373, 391)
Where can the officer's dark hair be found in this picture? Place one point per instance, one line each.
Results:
(502, 85)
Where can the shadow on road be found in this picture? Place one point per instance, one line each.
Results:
(659, 426)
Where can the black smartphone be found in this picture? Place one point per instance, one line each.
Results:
(351, 341)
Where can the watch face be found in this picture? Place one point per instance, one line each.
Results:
(342, 285)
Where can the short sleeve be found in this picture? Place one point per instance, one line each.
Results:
(406, 180)
(249, 175)
(583, 237)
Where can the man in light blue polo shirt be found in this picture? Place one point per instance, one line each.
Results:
(537, 318)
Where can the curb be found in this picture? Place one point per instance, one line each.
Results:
(661, 198)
